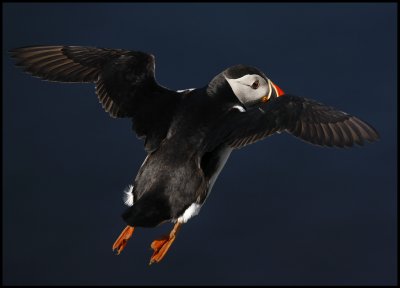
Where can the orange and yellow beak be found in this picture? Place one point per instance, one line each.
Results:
(279, 92)
(273, 89)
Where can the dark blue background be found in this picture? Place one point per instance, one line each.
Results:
(282, 211)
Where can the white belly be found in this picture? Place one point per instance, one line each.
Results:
(222, 161)
(194, 209)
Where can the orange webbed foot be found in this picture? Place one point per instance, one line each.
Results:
(161, 246)
(123, 238)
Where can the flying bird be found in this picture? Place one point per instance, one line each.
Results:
(188, 134)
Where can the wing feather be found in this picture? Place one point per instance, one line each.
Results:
(306, 119)
(125, 82)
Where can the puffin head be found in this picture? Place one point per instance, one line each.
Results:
(250, 85)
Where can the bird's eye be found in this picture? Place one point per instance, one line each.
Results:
(255, 85)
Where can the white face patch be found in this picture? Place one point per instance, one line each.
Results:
(242, 88)
(128, 196)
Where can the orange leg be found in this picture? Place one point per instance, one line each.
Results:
(123, 238)
(161, 246)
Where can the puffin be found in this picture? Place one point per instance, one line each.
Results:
(188, 134)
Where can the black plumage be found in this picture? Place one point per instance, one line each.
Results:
(188, 135)
(306, 119)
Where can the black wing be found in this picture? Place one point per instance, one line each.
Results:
(125, 82)
(304, 118)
